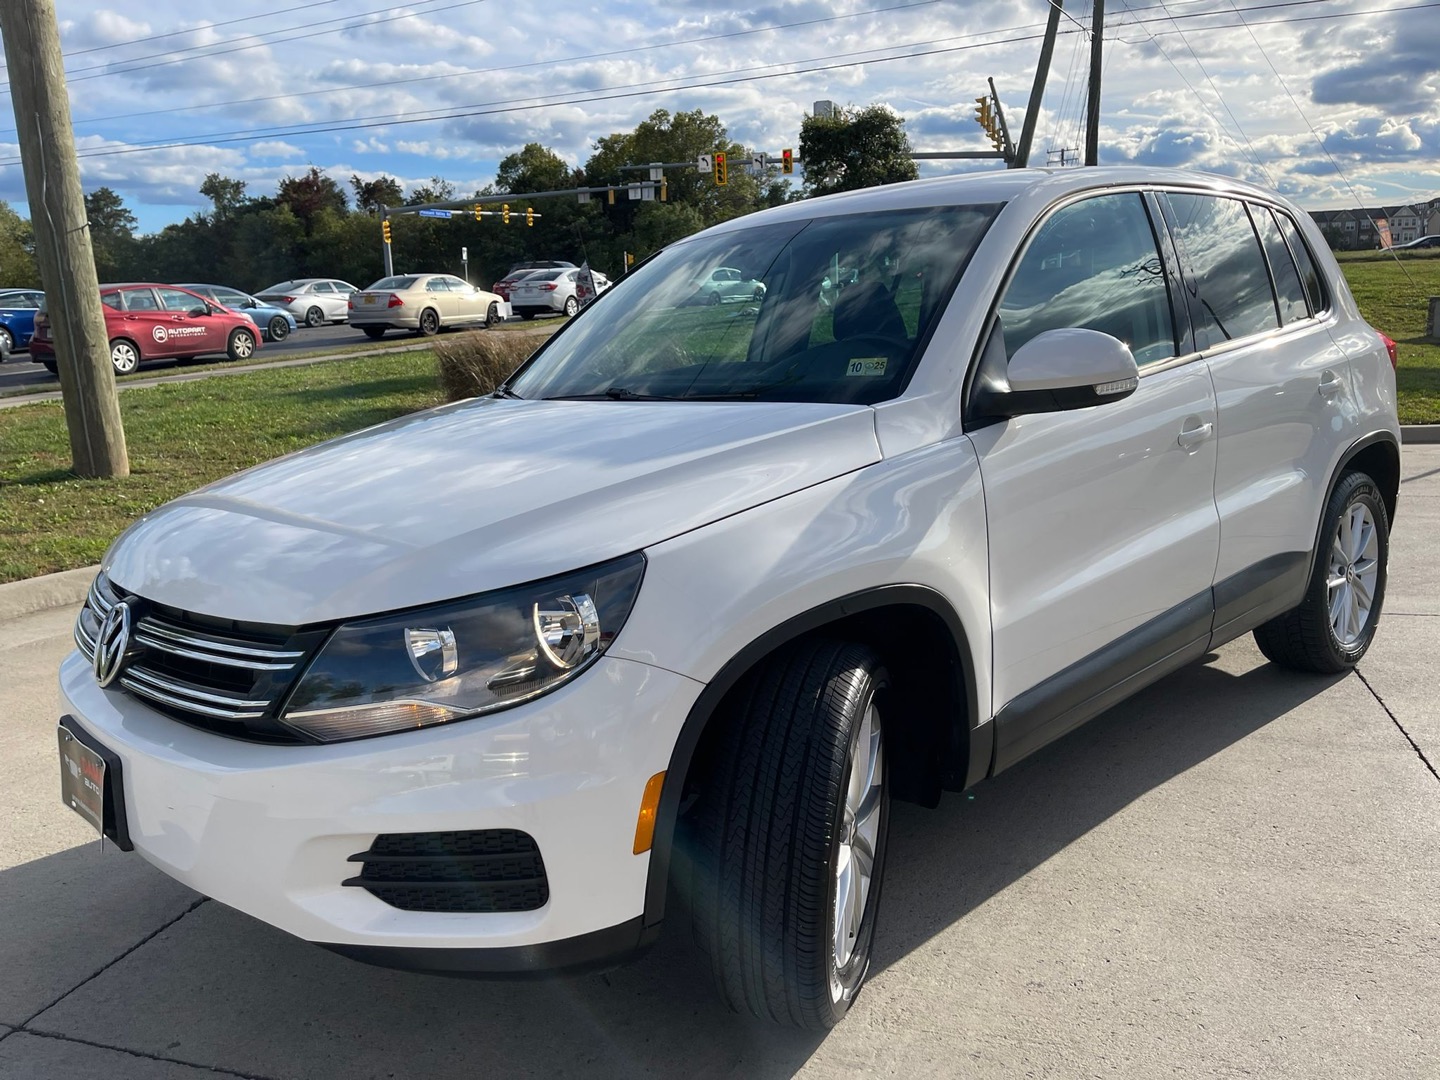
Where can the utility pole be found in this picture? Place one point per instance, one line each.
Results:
(1037, 89)
(62, 237)
(1092, 109)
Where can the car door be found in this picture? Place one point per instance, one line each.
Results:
(1102, 521)
(341, 291)
(192, 328)
(1282, 391)
(465, 302)
(146, 322)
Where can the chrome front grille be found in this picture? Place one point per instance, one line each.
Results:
(217, 675)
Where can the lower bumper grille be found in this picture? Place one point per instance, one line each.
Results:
(485, 870)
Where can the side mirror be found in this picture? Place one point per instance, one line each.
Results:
(1057, 370)
(197, 312)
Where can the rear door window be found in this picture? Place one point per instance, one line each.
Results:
(1314, 289)
(1289, 290)
(1227, 283)
(1093, 264)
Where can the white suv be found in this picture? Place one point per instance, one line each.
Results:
(703, 589)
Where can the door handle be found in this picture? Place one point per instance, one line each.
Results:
(1330, 384)
(1192, 437)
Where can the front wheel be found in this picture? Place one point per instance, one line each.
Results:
(314, 317)
(241, 345)
(1332, 627)
(492, 315)
(7, 342)
(279, 328)
(792, 831)
(124, 356)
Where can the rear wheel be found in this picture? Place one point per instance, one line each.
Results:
(314, 317)
(279, 328)
(50, 366)
(1330, 629)
(429, 322)
(374, 333)
(7, 342)
(124, 356)
(792, 836)
(241, 345)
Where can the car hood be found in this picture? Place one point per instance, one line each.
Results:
(472, 497)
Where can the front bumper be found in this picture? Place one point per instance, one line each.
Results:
(269, 829)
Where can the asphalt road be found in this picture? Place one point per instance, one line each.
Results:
(1232, 874)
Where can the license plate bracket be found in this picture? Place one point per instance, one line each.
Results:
(91, 782)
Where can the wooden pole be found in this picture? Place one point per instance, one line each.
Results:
(1037, 89)
(1092, 110)
(62, 237)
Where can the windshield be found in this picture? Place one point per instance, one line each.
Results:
(831, 309)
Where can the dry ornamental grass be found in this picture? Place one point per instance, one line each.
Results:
(476, 363)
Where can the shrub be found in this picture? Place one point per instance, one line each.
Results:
(476, 363)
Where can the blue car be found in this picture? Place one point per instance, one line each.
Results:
(274, 323)
(17, 317)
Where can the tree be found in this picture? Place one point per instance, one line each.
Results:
(534, 168)
(17, 251)
(228, 195)
(370, 195)
(856, 148)
(308, 195)
(437, 190)
(112, 232)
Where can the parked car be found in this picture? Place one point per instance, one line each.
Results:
(694, 595)
(146, 321)
(725, 284)
(17, 317)
(424, 303)
(541, 264)
(313, 301)
(1422, 242)
(276, 324)
(548, 292)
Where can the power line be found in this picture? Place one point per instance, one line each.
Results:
(507, 67)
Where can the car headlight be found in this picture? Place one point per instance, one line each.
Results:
(455, 660)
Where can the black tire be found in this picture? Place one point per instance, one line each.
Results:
(492, 315)
(571, 306)
(124, 356)
(374, 333)
(429, 323)
(713, 299)
(7, 342)
(50, 366)
(527, 315)
(314, 317)
(770, 836)
(279, 328)
(241, 345)
(1304, 638)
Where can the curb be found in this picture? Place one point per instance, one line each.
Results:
(1420, 433)
(30, 595)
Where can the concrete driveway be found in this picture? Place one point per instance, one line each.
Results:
(1236, 873)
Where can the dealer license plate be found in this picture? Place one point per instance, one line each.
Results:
(82, 780)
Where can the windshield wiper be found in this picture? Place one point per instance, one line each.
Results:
(505, 392)
(614, 393)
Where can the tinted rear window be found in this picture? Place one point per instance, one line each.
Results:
(1228, 282)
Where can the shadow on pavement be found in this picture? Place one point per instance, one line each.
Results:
(216, 988)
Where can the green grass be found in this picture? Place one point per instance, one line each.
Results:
(180, 436)
(1394, 298)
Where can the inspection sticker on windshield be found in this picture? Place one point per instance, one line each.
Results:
(867, 365)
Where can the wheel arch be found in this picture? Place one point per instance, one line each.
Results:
(1377, 455)
(925, 647)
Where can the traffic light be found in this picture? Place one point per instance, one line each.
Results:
(663, 189)
(719, 171)
(529, 216)
(629, 260)
(477, 212)
(787, 161)
(505, 213)
(984, 115)
(385, 230)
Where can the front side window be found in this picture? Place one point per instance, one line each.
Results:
(1093, 264)
(177, 300)
(1227, 283)
(791, 333)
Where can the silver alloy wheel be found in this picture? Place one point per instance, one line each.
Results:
(242, 345)
(123, 357)
(7, 342)
(859, 833)
(1354, 570)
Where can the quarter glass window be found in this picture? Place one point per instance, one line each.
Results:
(1095, 265)
(1308, 273)
(1288, 288)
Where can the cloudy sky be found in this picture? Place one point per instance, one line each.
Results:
(258, 89)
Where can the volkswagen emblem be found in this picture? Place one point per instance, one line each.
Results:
(112, 643)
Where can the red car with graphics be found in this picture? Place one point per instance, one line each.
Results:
(158, 322)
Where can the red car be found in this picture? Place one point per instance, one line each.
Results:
(158, 322)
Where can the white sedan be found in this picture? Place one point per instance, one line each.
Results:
(313, 301)
(424, 303)
(551, 292)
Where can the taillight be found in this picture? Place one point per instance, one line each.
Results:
(395, 301)
(549, 286)
(350, 303)
(1391, 350)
